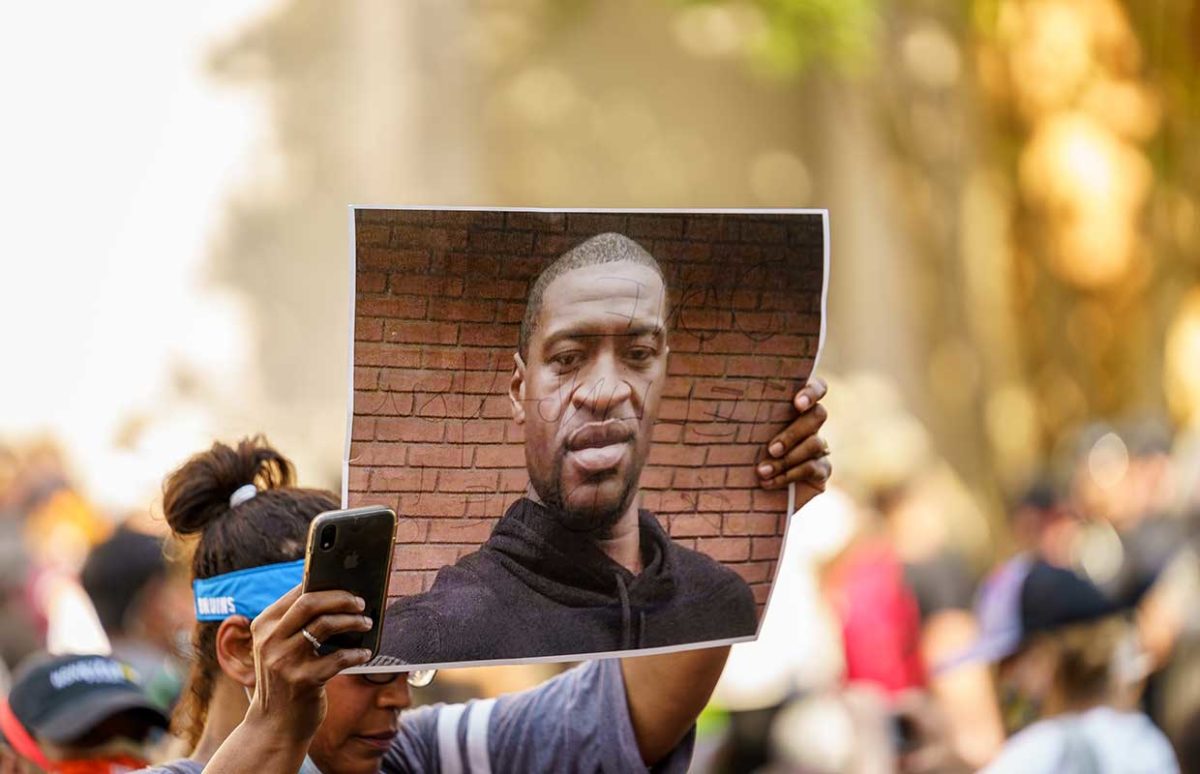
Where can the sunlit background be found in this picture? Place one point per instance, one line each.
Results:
(1013, 188)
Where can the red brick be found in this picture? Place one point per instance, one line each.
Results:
(487, 382)
(484, 287)
(753, 572)
(368, 329)
(695, 525)
(372, 234)
(696, 365)
(370, 282)
(727, 343)
(536, 221)
(654, 226)
(436, 505)
(362, 429)
(795, 346)
(723, 502)
(467, 481)
(761, 592)
(733, 455)
(405, 479)
(672, 410)
(709, 433)
(550, 246)
(489, 241)
(490, 335)
(388, 259)
(411, 530)
(656, 478)
(365, 378)
(725, 549)
(429, 237)
(419, 332)
(696, 318)
(391, 307)
(416, 380)
(404, 584)
(475, 431)
(382, 403)
(446, 405)
(409, 216)
(514, 480)
(751, 524)
(411, 429)
(667, 433)
(480, 218)
(589, 224)
(673, 501)
(423, 557)
(510, 312)
(703, 227)
(766, 548)
(460, 531)
(433, 287)
(386, 355)
(360, 479)
(472, 310)
(525, 269)
(699, 478)
(499, 456)
(760, 231)
(376, 453)
(690, 456)
(742, 477)
(774, 501)
(438, 455)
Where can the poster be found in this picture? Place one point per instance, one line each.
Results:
(564, 408)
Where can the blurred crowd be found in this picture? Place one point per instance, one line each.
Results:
(909, 631)
(912, 626)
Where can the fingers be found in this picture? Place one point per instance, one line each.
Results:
(313, 604)
(326, 626)
(810, 394)
(805, 425)
(814, 474)
(810, 448)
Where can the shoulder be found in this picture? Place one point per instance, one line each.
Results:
(1034, 749)
(181, 766)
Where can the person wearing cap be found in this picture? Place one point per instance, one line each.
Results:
(143, 606)
(261, 698)
(1067, 675)
(80, 714)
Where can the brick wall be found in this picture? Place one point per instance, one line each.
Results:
(439, 299)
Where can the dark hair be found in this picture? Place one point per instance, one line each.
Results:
(602, 248)
(270, 527)
(118, 571)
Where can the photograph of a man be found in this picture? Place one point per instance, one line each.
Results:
(574, 566)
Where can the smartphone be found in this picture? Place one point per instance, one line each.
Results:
(351, 550)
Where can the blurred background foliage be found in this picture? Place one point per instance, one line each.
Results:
(1011, 185)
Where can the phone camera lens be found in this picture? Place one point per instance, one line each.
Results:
(328, 533)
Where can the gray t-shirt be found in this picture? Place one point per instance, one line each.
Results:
(578, 721)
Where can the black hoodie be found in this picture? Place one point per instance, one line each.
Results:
(536, 588)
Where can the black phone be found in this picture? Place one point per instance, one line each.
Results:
(351, 550)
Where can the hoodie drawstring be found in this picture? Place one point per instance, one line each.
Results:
(626, 613)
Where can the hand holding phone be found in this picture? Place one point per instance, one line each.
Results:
(351, 550)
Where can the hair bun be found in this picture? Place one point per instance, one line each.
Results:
(198, 492)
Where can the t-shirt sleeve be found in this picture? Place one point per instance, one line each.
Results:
(578, 721)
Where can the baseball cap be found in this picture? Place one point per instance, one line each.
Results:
(1026, 596)
(63, 698)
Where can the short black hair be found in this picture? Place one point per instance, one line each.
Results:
(602, 248)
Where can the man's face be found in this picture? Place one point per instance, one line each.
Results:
(589, 393)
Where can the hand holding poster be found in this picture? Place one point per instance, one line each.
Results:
(566, 410)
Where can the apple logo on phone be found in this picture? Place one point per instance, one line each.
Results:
(351, 561)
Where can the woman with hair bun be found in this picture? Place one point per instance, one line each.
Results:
(259, 697)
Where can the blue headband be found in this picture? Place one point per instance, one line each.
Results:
(245, 592)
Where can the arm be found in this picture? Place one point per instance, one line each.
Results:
(666, 693)
(289, 681)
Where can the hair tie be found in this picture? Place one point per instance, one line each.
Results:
(242, 494)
